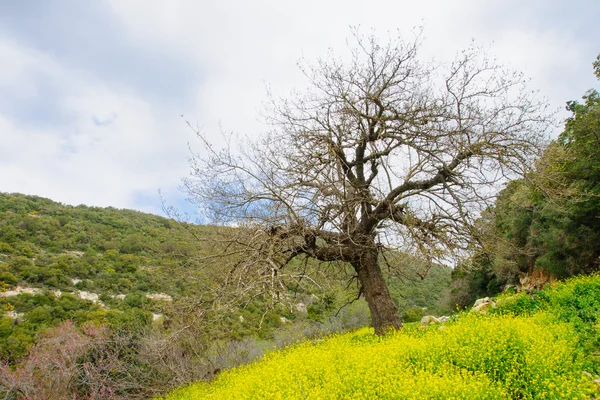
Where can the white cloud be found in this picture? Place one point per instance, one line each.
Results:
(138, 144)
(237, 45)
(18, 66)
(114, 145)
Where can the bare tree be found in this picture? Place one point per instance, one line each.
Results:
(381, 152)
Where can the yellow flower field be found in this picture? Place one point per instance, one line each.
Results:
(475, 357)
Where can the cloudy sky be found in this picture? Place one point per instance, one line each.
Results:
(92, 92)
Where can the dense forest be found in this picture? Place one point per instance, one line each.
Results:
(138, 277)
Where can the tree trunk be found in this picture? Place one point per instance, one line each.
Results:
(384, 314)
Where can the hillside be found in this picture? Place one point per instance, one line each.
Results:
(542, 346)
(139, 275)
(83, 263)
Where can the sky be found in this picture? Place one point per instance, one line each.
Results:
(92, 93)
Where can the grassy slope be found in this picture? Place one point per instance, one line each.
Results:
(541, 346)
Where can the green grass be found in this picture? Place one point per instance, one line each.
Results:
(537, 346)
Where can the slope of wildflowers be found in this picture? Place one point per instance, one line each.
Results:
(537, 346)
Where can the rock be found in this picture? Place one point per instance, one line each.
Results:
(156, 316)
(284, 320)
(508, 287)
(14, 315)
(444, 318)
(31, 291)
(301, 307)
(10, 293)
(481, 301)
(159, 296)
(19, 290)
(75, 281)
(536, 280)
(88, 296)
(120, 297)
(429, 320)
(483, 304)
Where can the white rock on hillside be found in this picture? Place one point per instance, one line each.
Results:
(88, 296)
(14, 315)
(429, 320)
(156, 317)
(483, 304)
(19, 290)
(301, 307)
(159, 296)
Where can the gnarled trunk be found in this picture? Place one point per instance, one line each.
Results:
(384, 314)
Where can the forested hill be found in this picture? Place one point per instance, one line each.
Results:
(110, 250)
(117, 251)
(61, 262)
(135, 272)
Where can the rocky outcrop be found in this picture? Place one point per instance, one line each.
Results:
(482, 305)
(536, 280)
(301, 308)
(12, 314)
(159, 296)
(430, 320)
(21, 290)
(156, 317)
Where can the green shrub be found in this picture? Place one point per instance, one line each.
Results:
(7, 277)
(413, 314)
(6, 248)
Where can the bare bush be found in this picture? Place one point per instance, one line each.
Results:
(70, 363)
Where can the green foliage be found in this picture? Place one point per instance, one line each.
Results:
(7, 277)
(473, 281)
(39, 312)
(409, 290)
(560, 230)
(576, 301)
(413, 314)
(320, 310)
(549, 220)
